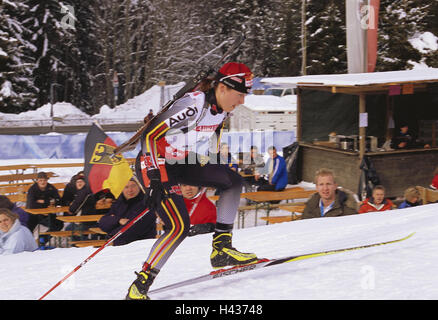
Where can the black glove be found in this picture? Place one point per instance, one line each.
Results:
(201, 228)
(156, 189)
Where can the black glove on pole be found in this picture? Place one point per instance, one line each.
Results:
(157, 193)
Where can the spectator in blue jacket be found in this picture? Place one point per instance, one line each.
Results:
(14, 237)
(277, 173)
(5, 202)
(412, 198)
(128, 206)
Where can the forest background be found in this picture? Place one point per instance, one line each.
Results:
(70, 50)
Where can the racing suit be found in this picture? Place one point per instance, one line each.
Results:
(183, 144)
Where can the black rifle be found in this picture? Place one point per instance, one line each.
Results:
(190, 86)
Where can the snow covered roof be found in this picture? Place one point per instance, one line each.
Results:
(271, 103)
(358, 79)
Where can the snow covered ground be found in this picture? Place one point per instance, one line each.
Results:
(404, 270)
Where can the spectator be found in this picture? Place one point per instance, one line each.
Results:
(201, 210)
(434, 183)
(84, 203)
(405, 139)
(128, 206)
(412, 198)
(41, 195)
(149, 116)
(329, 201)
(276, 170)
(226, 158)
(104, 200)
(376, 202)
(14, 237)
(5, 202)
(70, 190)
(252, 162)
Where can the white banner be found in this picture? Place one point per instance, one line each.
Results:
(356, 35)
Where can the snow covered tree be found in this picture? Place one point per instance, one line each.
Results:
(85, 59)
(177, 41)
(288, 53)
(326, 37)
(17, 91)
(431, 25)
(399, 20)
(54, 48)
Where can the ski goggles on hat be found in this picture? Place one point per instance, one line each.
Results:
(238, 81)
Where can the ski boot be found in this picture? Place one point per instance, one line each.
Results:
(140, 287)
(224, 254)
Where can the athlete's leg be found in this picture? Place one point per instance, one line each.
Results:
(229, 183)
(176, 219)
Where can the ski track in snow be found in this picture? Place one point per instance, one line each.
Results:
(404, 270)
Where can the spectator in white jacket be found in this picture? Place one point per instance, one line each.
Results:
(14, 237)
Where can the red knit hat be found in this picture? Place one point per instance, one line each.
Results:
(236, 75)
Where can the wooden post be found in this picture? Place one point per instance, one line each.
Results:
(362, 130)
(299, 133)
(303, 38)
(162, 85)
(433, 145)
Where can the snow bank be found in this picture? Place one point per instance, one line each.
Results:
(132, 111)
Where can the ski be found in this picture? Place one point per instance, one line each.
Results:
(262, 263)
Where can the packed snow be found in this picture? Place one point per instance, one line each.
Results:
(392, 271)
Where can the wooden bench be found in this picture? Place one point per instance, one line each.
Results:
(280, 219)
(18, 193)
(66, 235)
(98, 243)
(23, 176)
(263, 200)
(428, 195)
(282, 194)
(288, 194)
(293, 207)
(94, 230)
(16, 167)
(80, 219)
(98, 230)
(89, 243)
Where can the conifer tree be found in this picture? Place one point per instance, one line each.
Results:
(326, 37)
(399, 21)
(17, 91)
(55, 51)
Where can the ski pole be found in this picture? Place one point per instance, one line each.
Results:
(114, 237)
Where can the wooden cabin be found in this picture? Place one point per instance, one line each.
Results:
(342, 118)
